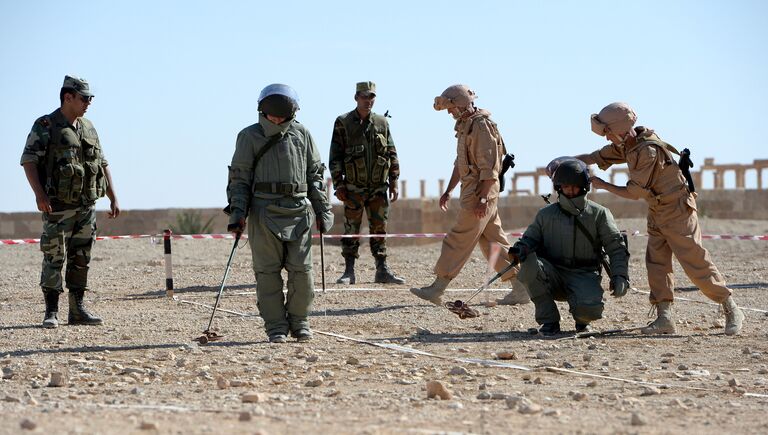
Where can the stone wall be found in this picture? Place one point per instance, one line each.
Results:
(408, 215)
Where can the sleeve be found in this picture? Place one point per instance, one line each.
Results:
(485, 151)
(104, 161)
(394, 163)
(532, 236)
(315, 178)
(613, 242)
(37, 142)
(641, 174)
(240, 178)
(607, 156)
(336, 158)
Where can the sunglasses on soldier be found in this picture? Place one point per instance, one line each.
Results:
(85, 99)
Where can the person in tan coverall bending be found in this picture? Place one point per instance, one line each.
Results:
(673, 226)
(478, 160)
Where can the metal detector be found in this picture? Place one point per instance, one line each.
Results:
(209, 335)
(462, 309)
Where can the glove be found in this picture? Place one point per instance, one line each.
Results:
(619, 286)
(236, 225)
(518, 253)
(324, 221)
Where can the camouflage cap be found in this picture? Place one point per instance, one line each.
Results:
(78, 84)
(365, 88)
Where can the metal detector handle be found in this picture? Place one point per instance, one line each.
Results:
(493, 279)
(224, 280)
(500, 274)
(322, 260)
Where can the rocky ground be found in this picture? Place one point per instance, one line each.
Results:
(141, 372)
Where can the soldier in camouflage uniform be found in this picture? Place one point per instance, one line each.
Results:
(364, 169)
(276, 178)
(67, 170)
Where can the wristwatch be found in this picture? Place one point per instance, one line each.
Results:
(483, 200)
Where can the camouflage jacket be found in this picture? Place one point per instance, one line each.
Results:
(363, 155)
(69, 159)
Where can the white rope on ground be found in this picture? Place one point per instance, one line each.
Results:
(319, 292)
(390, 346)
(217, 309)
(630, 381)
(681, 298)
(495, 363)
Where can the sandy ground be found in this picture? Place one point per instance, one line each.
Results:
(141, 372)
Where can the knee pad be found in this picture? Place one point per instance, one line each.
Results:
(587, 313)
(529, 270)
(269, 283)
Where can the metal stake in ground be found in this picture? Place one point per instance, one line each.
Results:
(168, 263)
(462, 309)
(209, 335)
(322, 260)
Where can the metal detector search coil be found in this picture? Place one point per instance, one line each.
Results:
(461, 309)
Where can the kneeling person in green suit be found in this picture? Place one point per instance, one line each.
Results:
(276, 178)
(562, 250)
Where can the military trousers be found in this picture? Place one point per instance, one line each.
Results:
(67, 234)
(547, 283)
(282, 241)
(468, 232)
(673, 228)
(376, 207)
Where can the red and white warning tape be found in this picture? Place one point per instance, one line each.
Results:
(763, 237)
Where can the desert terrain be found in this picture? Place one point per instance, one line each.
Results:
(375, 349)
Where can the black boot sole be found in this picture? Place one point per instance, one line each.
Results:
(84, 322)
(388, 280)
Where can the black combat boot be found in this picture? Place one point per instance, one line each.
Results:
(77, 312)
(51, 309)
(384, 275)
(549, 329)
(349, 272)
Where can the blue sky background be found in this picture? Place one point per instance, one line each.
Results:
(176, 80)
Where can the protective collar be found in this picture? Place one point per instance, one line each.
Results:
(272, 129)
(573, 206)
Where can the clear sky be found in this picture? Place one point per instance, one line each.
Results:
(176, 80)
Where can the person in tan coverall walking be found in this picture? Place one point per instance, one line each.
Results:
(478, 160)
(673, 225)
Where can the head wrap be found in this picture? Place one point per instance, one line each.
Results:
(454, 96)
(618, 118)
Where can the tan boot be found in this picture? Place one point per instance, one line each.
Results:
(518, 295)
(434, 291)
(734, 317)
(664, 324)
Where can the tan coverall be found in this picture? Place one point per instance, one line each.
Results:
(478, 157)
(673, 225)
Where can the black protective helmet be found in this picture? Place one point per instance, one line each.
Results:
(569, 171)
(278, 100)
